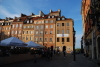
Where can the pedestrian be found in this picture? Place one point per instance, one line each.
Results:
(35, 57)
(64, 52)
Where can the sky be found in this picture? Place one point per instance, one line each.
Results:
(69, 9)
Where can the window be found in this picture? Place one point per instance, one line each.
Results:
(63, 18)
(57, 39)
(8, 32)
(51, 26)
(50, 39)
(15, 32)
(50, 32)
(41, 39)
(51, 21)
(20, 25)
(48, 16)
(58, 18)
(27, 21)
(31, 32)
(41, 27)
(58, 24)
(13, 26)
(37, 27)
(46, 32)
(46, 26)
(46, 39)
(36, 32)
(68, 31)
(67, 24)
(52, 16)
(32, 26)
(12, 32)
(16, 25)
(58, 31)
(24, 26)
(36, 39)
(26, 37)
(41, 32)
(36, 22)
(28, 26)
(20, 32)
(62, 31)
(31, 21)
(62, 24)
(31, 38)
(46, 21)
(62, 39)
(68, 40)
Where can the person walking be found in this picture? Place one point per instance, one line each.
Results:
(64, 52)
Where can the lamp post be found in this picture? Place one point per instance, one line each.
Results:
(74, 44)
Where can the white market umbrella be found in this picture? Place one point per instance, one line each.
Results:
(32, 44)
(12, 41)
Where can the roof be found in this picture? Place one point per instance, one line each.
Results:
(54, 11)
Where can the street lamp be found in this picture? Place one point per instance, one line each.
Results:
(74, 32)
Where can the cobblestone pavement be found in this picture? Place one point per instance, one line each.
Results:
(57, 61)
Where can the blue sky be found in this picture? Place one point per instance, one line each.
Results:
(69, 8)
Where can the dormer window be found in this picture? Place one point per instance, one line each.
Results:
(63, 18)
(58, 18)
(2, 23)
(8, 23)
(31, 21)
(52, 16)
(18, 19)
(43, 16)
(48, 16)
(27, 21)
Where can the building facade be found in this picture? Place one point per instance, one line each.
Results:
(50, 30)
(91, 28)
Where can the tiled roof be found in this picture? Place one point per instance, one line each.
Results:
(21, 19)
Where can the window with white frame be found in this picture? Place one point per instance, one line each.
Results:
(37, 27)
(50, 32)
(46, 26)
(58, 18)
(31, 38)
(36, 22)
(67, 24)
(51, 21)
(15, 32)
(68, 31)
(27, 21)
(62, 31)
(12, 32)
(31, 32)
(20, 25)
(20, 32)
(52, 16)
(28, 26)
(13, 25)
(16, 25)
(63, 18)
(46, 21)
(51, 26)
(58, 24)
(50, 39)
(32, 26)
(26, 37)
(8, 32)
(31, 21)
(36, 32)
(41, 32)
(36, 39)
(24, 26)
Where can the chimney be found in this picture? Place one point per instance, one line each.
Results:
(59, 10)
(50, 10)
(15, 17)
